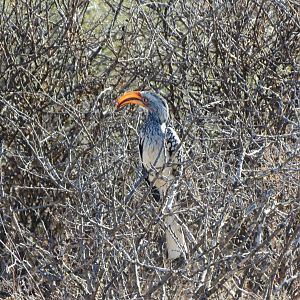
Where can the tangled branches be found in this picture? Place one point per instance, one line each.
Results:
(230, 73)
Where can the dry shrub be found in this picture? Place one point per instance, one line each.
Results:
(70, 225)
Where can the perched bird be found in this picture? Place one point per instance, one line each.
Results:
(160, 159)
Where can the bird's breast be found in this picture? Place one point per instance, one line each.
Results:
(153, 152)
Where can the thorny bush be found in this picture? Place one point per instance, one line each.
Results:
(230, 73)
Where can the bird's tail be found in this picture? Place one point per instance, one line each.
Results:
(175, 240)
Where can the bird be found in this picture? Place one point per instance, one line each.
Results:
(161, 157)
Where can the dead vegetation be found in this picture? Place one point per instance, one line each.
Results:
(230, 73)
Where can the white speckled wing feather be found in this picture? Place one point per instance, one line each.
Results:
(174, 150)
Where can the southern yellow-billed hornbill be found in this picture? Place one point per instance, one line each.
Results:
(160, 158)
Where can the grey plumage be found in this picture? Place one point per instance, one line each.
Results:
(162, 160)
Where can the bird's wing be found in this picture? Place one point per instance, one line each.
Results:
(174, 151)
(175, 238)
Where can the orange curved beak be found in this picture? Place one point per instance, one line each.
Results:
(132, 97)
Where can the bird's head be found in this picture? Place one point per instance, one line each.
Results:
(153, 102)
